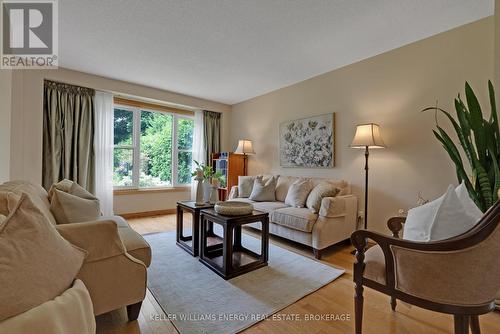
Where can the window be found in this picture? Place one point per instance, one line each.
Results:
(152, 149)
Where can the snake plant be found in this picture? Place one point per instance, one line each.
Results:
(480, 141)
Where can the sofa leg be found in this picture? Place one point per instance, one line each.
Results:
(317, 253)
(133, 311)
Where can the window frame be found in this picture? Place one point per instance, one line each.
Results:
(136, 148)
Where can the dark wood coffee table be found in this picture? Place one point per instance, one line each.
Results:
(228, 258)
(191, 243)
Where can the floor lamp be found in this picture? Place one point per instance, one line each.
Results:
(245, 147)
(367, 136)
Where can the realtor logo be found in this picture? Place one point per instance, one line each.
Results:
(29, 34)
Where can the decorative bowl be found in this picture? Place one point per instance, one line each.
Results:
(233, 208)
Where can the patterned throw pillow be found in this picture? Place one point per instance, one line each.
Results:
(323, 189)
(40, 263)
(298, 192)
(263, 190)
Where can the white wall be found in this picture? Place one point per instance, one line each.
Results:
(27, 121)
(5, 111)
(389, 89)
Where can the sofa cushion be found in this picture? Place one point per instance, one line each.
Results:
(70, 207)
(282, 186)
(64, 185)
(440, 219)
(468, 204)
(38, 263)
(323, 189)
(8, 202)
(263, 190)
(245, 186)
(300, 219)
(375, 264)
(298, 192)
(268, 206)
(345, 188)
(39, 196)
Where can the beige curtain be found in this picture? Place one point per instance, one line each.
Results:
(211, 134)
(68, 134)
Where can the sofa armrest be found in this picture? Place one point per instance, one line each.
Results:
(338, 206)
(233, 193)
(99, 238)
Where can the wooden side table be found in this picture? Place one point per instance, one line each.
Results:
(190, 244)
(228, 258)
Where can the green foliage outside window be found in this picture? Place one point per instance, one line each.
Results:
(156, 145)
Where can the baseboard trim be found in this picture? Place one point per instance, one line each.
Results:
(148, 213)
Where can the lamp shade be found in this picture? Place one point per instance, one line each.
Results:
(244, 147)
(368, 135)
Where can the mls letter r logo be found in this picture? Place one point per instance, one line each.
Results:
(29, 33)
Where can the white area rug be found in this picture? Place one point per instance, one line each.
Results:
(197, 300)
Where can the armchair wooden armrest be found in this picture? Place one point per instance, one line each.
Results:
(395, 224)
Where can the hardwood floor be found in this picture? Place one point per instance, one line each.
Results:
(334, 299)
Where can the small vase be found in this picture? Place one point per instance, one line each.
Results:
(206, 191)
(199, 190)
(214, 194)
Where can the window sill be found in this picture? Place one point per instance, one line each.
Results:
(120, 192)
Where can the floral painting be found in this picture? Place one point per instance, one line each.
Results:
(308, 142)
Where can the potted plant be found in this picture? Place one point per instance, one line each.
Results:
(480, 140)
(210, 177)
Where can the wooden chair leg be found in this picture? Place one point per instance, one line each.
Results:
(358, 308)
(461, 324)
(474, 324)
(393, 303)
(133, 311)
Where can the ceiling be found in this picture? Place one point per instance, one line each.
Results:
(232, 50)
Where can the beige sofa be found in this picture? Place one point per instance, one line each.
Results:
(334, 222)
(114, 271)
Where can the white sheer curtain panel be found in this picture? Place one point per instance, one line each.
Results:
(198, 147)
(103, 147)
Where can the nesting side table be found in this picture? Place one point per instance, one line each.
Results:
(190, 244)
(228, 258)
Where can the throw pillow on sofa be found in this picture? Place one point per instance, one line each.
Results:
(440, 219)
(323, 189)
(298, 192)
(245, 186)
(469, 205)
(41, 264)
(74, 206)
(263, 189)
(8, 202)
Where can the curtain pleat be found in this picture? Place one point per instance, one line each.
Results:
(68, 134)
(211, 134)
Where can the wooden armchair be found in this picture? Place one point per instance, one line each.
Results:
(456, 276)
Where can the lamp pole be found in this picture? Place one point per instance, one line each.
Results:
(367, 153)
(245, 157)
